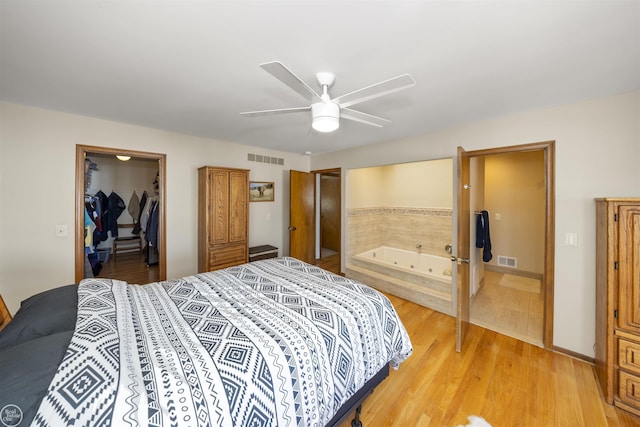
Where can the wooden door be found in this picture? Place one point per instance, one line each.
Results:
(330, 212)
(302, 216)
(463, 248)
(238, 193)
(629, 267)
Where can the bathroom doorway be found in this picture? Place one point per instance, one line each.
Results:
(136, 257)
(512, 293)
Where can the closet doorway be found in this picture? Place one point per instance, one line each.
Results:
(136, 260)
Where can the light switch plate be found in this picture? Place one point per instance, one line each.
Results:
(571, 239)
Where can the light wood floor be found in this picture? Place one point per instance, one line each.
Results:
(506, 381)
(130, 267)
(502, 306)
(329, 260)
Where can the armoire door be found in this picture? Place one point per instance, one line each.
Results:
(238, 206)
(629, 267)
(219, 207)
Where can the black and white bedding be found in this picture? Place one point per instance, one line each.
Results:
(270, 343)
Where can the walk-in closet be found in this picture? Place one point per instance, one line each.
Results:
(121, 218)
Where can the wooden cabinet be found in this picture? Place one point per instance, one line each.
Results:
(618, 301)
(222, 217)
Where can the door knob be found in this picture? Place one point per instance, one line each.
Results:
(292, 228)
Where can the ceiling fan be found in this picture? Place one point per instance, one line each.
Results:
(326, 111)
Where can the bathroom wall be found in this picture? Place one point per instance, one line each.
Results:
(515, 198)
(401, 206)
(416, 184)
(477, 203)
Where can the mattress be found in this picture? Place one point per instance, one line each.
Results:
(276, 342)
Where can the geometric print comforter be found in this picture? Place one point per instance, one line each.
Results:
(270, 343)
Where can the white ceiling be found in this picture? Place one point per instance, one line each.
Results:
(192, 66)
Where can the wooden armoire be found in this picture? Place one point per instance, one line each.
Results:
(223, 217)
(618, 301)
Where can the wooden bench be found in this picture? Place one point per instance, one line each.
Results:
(126, 244)
(257, 253)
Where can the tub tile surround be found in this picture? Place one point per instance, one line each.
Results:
(400, 228)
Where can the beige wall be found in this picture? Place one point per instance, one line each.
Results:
(476, 203)
(37, 187)
(515, 190)
(417, 184)
(597, 154)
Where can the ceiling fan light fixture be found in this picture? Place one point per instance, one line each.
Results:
(326, 116)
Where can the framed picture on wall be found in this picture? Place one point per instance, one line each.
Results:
(260, 191)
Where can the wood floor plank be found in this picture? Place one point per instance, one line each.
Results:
(506, 381)
(130, 267)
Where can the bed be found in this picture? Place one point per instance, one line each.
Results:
(276, 342)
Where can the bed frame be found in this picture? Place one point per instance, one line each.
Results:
(355, 402)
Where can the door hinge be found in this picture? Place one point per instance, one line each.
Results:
(615, 313)
(615, 265)
(615, 217)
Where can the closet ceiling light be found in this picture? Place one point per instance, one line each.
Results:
(123, 158)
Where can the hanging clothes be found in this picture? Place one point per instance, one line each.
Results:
(138, 227)
(146, 212)
(89, 227)
(152, 224)
(102, 208)
(483, 238)
(134, 207)
(151, 233)
(116, 207)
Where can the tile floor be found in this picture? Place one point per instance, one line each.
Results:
(511, 305)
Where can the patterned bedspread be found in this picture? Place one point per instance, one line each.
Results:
(270, 343)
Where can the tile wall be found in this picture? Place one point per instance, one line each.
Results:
(398, 227)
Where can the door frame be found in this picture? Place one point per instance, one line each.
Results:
(463, 247)
(81, 152)
(548, 147)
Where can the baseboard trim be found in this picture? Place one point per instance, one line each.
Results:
(514, 271)
(574, 355)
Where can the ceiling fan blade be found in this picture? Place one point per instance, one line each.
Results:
(286, 76)
(279, 111)
(374, 91)
(359, 116)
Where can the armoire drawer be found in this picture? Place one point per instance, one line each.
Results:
(629, 389)
(629, 355)
(226, 257)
